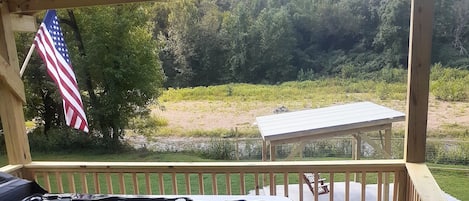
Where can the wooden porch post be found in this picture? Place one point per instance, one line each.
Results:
(420, 43)
(11, 94)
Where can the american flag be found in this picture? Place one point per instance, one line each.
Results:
(51, 47)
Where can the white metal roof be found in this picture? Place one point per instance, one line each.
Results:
(323, 120)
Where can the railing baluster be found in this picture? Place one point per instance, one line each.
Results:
(35, 176)
(316, 186)
(285, 184)
(403, 181)
(228, 183)
(201, 184)
(380, 187)
(347, 186)
(386, 187)
(97, 188)
(160, 183)
(363, 185)
(331, 186)
(188, 183)
(174, 183)
(135, 183)
(109, 183)
(148, 183)
(256, 182)
(58, 179)
(396, 184)
(84, 182)
(214, 184)
(121, 183)
(47, 181)
(412, 190)
(242, 183)
(300, 184)
(71, 183)
(272, 184)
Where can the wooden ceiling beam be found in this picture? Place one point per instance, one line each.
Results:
(23, 23)
(9, 66)
(31, 6)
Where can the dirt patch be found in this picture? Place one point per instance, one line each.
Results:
(209, 115)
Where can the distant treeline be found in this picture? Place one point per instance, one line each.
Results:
(206, 42)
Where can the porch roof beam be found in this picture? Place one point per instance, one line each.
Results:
(31, 6)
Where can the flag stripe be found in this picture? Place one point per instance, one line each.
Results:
(52, 49)
(64, 89)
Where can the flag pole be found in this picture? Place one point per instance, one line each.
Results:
(26, 60)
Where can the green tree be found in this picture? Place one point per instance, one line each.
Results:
(450, 37)
(209, 57)
(235, 30)
(179, 42)
(122, 59)
(276, 44)
(393, 32)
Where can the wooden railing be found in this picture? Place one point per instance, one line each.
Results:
(224, 178)
(409, 181)
(421, 184)
(15, 170)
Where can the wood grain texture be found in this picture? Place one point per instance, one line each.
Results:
(420, 44)
(23, 23)
(422, 184)
(16, 140)
(9, 65)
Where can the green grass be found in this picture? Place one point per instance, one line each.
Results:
(219, 132)
(453, 179)
(453, 182)
(321, 92)
(137, 156)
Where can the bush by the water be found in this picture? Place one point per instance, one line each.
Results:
(70, 140)
(219, 149)
(455, 153)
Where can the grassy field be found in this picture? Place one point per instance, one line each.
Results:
(217, 110)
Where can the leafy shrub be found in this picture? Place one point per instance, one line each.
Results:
(328, 148)
(456, 153)
(70, 140)
(449, 90)
(391, 91)
(392, 75)
(304, 75)
(147, 126)
(219, 149)
(439, 72)
(449, 84)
